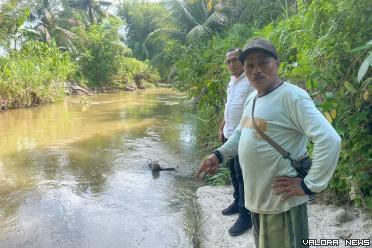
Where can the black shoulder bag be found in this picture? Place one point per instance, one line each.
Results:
(302, 165)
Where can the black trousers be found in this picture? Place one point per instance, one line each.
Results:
(238, 184)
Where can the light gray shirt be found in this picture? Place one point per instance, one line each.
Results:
(237, 91)
(288, 116)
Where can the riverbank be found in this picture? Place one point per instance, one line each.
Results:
(70, 89)
(31, 99)
(325, 221)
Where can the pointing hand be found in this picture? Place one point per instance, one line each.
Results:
(208, 166)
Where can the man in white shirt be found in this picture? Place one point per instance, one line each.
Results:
(237, 92)
(285, 113)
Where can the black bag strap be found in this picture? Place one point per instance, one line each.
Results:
(277, 147)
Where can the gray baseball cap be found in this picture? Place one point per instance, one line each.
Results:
(258, 45)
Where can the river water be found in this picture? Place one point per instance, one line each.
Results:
(74, 174)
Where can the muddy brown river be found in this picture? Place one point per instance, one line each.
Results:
(74, 174)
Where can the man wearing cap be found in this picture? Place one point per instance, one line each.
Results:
(237, 92)
(284, 112)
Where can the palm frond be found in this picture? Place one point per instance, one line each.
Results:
(216, 19)
(180, 11)
(173, 34)
(29, 32)
(232, 11)
(199, 11)
(72, 47)
(198, 33)
(158, 60)
(65, 32)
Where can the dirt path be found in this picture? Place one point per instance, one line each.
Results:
(325, 222)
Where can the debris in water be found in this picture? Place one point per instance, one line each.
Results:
(155, 166)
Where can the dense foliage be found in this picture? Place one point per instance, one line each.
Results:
(201, 73)
(141, 20)
(325, 46)
(33, 75)
(45, 44)
(101, 51)
(316, 50)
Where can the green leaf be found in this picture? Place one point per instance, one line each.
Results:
(369, 87)
(350, 87)
(364, 47)
(365, 95)
(333, 113)
(370, 58)
(364, 68)
(329, 94)
(348, 178)
(368, 201)
(328, 117)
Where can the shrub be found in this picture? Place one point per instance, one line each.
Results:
(34, 75)
(101, 51)
(316, 52)
(133, 71)
(106, 62)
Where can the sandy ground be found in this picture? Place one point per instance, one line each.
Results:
(325, 222)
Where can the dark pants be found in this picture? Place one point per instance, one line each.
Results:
(237, 182)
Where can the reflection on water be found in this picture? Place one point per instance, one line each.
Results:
(74, 174)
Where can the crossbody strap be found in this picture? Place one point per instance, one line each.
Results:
(277, 147)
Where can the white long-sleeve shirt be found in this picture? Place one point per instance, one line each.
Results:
(288, 116)
(237, 91)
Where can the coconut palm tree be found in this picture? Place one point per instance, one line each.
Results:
(189, 22)
(45, 24)
(142, 18)
(197, 19)
(94, 9)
